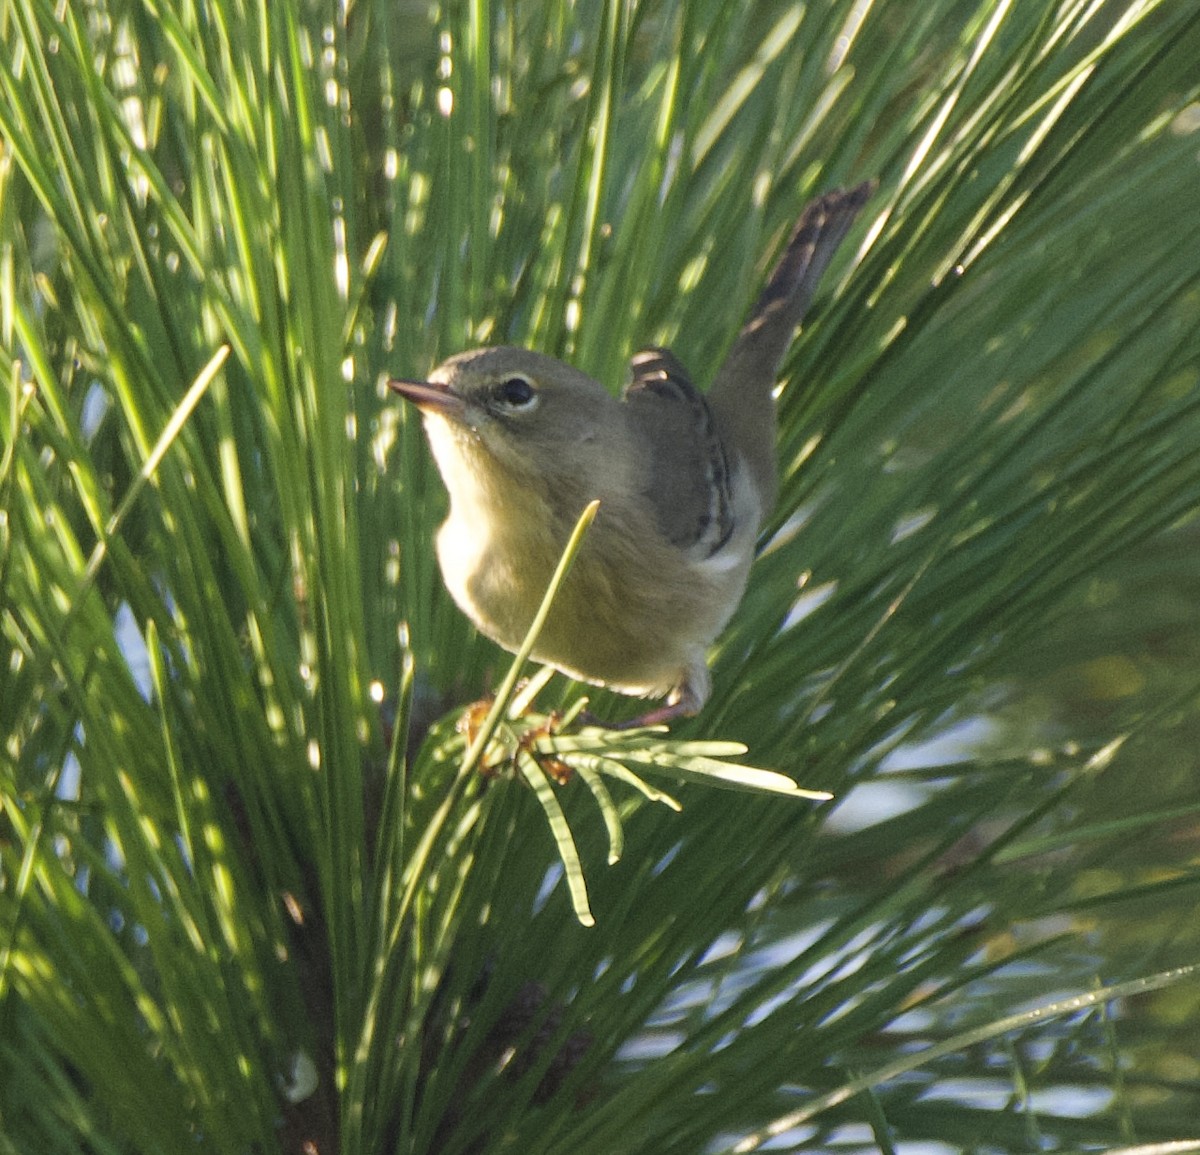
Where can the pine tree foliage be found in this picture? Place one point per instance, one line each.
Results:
(269, 881)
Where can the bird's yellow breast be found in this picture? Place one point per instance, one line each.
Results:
(636, 613)
(633, 614)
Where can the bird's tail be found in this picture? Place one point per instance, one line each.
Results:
(818, 233)
(742, 389)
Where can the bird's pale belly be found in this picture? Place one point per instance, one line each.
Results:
(639, 634)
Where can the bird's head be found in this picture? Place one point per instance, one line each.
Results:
(510, 417)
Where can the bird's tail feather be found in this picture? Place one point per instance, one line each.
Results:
(741, 394)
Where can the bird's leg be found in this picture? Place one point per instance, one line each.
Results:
(685, 701)
(659, 716)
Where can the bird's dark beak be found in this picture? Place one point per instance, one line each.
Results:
(428, 396)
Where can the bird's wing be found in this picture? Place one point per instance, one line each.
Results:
(688, 482)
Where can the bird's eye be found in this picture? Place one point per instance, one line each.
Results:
(515, 392)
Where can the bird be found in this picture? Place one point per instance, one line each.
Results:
(684, 479)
